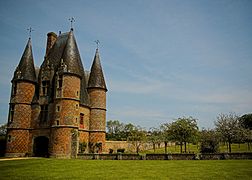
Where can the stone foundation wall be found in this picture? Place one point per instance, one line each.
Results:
(166, 156)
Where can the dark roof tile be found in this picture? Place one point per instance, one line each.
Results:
(26, 69)
(96, 78)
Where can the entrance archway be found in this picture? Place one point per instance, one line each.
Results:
(40, 146)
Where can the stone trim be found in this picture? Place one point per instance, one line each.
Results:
(65, 98)
(64, 126)
(95, 131)
(99, 108)
(21, 103)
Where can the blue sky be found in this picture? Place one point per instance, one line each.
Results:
(162, 59)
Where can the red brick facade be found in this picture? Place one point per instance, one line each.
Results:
(53, 116)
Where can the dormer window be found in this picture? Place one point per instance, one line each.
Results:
(45, 88)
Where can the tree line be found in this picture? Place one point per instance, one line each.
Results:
(229, 129)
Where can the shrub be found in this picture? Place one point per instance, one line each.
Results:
(120, 150)
(209, 142)
(82, 147)
(2, 145)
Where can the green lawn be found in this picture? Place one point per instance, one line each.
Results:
(116, 169)
(195, 149)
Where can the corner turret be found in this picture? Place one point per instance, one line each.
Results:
(25, 70)
(96, 79)
(20, 111)
(97, 92)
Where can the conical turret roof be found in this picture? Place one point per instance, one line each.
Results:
(96, 78)
(71, 56)
(25, 69)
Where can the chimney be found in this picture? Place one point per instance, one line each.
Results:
(51, 38)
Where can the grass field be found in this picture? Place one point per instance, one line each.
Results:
(195, 149)
(106, 169)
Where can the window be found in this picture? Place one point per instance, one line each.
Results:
(43, 113)
(58, 108)
(45, 88)
(77, 106)
(57, 122)
(81, 120)
(60, 81)
(9, 138)
(12, 108)
(14, 89)
(77, 93)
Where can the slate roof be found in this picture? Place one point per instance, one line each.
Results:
(96, 77)
(25, 69)
(66, 48)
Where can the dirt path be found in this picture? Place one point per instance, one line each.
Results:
(17, 158)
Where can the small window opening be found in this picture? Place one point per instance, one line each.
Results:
(12, 108)
(9, 138)
(57, 122)
(60, 81)
(58, 108)
(45, 87)
(14, 89)
(43, 113)
(81, 119)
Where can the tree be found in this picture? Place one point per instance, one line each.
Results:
(3, 130)
(154, 136)
(246, 121)
(209, 141)
(165, 135)
(183, 130)
(248, 137)
(137, 136)
(128, 128)
(227, 125)
(114, 130)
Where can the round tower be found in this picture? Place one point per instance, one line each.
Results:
(97, 93)
(64, 129)
(19, 121)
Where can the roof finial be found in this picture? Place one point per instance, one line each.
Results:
(30, 31)
(71, 21)
(97, 44)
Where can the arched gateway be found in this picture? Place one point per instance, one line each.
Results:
(40, 146)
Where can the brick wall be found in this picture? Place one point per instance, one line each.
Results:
(71, 87)
(60, 145)
(17, 142)
(97, 98)
(18, 130)
(25, 92)
(86, 111)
